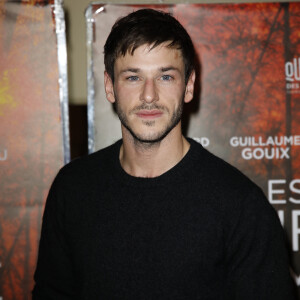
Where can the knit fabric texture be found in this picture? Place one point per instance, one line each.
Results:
(202, 230)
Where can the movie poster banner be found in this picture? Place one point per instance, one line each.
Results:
(31, 145)
(247, 104)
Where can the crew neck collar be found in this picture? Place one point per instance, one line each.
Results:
(176, 174)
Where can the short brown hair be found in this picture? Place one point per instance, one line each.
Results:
(147, 26)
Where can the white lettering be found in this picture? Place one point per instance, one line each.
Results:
(260, 153)
(296, 229)
(270, 141)
(292, 72)
(296, 69)
(294, 190)
(234, 141)
(270, 155)
(261, 142)
(204, 141)
(297, 280)
(245, 141)
(246, 153)
(289, 71)
(253, 142)
(294, 85)
(284, 153)
(288, 140)
(3, 155)
(278, 140)
(272, 191)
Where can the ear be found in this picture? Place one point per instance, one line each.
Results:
(189, 89)
(109, 88)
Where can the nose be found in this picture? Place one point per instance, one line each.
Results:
(149, 93)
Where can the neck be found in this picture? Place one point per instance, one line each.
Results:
(152, 159)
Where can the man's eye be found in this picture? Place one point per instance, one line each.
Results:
(166, 77)
(133, 78)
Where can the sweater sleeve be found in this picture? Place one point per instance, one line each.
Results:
(256, 257)
(54, 277)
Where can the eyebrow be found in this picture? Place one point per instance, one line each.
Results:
(132, 70)
(166, 69)
(137, 70)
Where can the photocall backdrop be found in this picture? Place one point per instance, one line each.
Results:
(33, 130)
(246, 109)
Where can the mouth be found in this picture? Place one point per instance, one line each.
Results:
(149, 114)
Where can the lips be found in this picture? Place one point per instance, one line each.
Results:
(149, 114)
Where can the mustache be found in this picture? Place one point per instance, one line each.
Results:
(151, 106)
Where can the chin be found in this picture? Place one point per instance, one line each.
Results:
(150, 133)
(149, 138)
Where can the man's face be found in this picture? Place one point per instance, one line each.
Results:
(149, 91)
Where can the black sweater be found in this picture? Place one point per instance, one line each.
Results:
(202, 230)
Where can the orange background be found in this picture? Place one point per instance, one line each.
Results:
(31, 137)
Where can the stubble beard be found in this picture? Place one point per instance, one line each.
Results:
(156, 138)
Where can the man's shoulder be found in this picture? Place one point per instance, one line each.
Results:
(227, 186)
(216, 170)
(90, 166)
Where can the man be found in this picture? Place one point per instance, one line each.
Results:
(155, 216)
